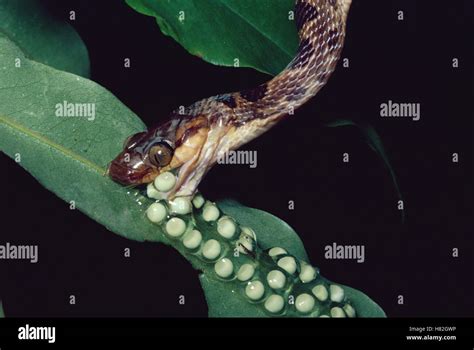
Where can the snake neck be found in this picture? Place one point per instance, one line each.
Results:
(321, 28)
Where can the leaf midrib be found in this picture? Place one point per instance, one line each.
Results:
(41, 139)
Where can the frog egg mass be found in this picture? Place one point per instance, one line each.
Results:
(230, 254)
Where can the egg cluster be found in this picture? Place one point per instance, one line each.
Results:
(273, 279)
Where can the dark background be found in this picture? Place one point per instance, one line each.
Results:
(299, 160)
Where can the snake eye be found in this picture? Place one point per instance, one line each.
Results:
(160, 154)
(133, 139)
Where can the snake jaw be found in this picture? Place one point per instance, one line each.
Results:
(130, 170)
(207, 144)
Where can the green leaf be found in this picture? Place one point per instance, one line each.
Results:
(375, 143)
(42, 37)
(68, 155)
(2, 313)
(223, 31)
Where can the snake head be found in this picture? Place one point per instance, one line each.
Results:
(176, 144)
(142, 159)
(145, 155)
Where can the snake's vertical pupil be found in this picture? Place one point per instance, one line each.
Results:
(160, 154)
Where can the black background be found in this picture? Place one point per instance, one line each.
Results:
(299, 160)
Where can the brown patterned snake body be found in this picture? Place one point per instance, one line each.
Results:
(191, 140)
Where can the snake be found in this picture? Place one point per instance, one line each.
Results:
(191, 140)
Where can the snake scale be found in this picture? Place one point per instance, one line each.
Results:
(192, 139)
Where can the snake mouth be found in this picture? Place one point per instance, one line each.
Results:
(127, 176)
